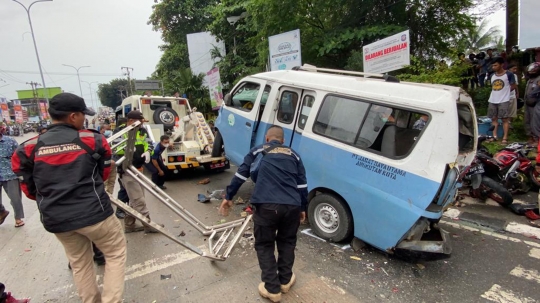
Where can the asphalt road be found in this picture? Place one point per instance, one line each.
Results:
(484, 267)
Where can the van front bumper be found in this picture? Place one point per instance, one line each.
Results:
(425, 240)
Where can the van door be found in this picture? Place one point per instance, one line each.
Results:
(287, 111)
(241, 118)
(304, 111)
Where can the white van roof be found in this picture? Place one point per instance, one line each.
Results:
(427, 96)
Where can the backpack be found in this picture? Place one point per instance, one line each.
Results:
(256, 164)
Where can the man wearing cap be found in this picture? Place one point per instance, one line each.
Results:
(141, 156)
(64, 170)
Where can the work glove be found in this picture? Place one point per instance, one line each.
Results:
(146, 157)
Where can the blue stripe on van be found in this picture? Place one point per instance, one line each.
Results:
(370, 188)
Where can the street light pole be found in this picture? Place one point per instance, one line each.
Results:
(79, 77)
(91, 94)
(35, 45)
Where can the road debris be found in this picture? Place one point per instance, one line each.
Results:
(182, 234)
(239, 201)
(356, 258)
(202, 198)
(165, 277)
(420, 266)
(204, 181)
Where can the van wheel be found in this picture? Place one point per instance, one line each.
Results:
(166, 116)
(330, 218)
(217, 148)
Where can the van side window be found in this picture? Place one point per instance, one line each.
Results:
(287, 107)
(340, 118)
(307, 104)
(127, 109)
(244, 98)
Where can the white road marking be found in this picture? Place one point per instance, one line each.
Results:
(523, 229)
(149, 266)
(310, 233)
(529, 274)
(535, 253)
(497, 294)
(490, 233)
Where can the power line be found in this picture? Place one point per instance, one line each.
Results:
(63, 73)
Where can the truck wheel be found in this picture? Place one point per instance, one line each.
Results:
(330, 218)
(166, 116)
(217, 148)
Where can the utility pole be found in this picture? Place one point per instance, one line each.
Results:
(128, 74)
(34, 86)
(78, 77)
(120, 90)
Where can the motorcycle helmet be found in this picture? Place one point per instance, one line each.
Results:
(533, 69)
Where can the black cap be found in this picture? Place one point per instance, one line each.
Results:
(68, 103)
(135, 114)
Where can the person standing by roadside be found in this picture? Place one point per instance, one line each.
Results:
(280, 200)
(531, 103)
(143, 150)
(514, 94)
(502, 83)
(156, 166)
(64, 170)
(9, 180)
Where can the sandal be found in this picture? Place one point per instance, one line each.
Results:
(504, 142)
(19, 224)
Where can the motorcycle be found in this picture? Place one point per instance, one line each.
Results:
(511, 167)
(481, 185)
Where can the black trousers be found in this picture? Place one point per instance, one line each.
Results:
(276, 225)
(156, 178)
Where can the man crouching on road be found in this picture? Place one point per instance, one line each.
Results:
(64, 170)
(280, 200)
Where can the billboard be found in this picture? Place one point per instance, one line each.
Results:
(285, 50)
(5, 110)
(388, 54)
(43, 110)
(17, 108)
(528, 24)
(200, 46)
(214, 87)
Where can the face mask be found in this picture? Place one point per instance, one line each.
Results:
(107, 133)
(166, 145)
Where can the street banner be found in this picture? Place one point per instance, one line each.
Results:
(285, 51)
(17, 108)
(388, 54)
(214, 87)
(528, 24)
(43, 109)
(5, 110)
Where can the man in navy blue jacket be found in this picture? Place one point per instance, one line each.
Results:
(280, 200)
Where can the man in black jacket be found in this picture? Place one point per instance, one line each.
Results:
(280, 200)
(64, 171)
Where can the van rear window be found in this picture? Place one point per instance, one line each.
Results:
(389, 131)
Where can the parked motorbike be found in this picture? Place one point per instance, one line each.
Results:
(481, 185)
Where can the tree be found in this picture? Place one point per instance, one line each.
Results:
(109, 93)
(478, 37)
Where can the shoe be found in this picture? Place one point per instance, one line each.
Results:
(3, 216)
(270, 296)
(285, 288)
(120, 214)
(132, 229)
(162, 187)
(9, 299)
(151, 230)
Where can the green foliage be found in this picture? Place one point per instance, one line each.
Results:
(441, 74)
(478, 37)
(109, 94)
(480, 98)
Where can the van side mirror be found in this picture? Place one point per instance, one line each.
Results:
(228, 99)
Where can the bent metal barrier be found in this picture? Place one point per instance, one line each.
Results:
(217, 250)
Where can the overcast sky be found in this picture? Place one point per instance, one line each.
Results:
(104, 34)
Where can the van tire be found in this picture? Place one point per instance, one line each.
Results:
(330, 218)
(217, 148)
(164, 112)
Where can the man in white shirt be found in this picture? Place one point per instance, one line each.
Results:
(502, 83)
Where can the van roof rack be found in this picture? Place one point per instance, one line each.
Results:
(311, 68)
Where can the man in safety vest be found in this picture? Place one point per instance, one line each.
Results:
(143, 150)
